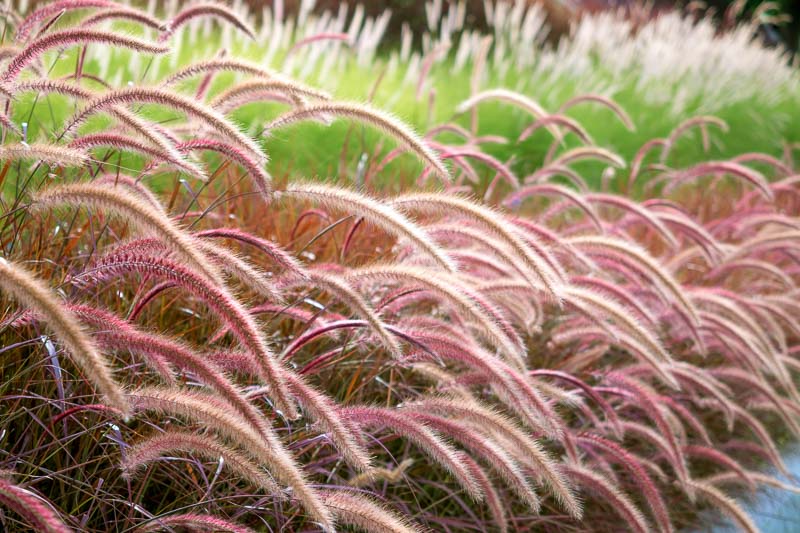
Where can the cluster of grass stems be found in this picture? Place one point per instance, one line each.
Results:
(463, 330)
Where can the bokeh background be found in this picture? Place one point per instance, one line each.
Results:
(562, 12)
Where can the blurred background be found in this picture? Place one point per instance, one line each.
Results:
(781, 18)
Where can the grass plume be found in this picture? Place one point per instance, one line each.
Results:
(33, 294)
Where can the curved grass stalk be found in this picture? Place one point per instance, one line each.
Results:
(122, 142)
(69, 37)
(354, 509)
(134, 211)
(602, 100)
(218, 299)
(52, 154)
(422, 436)
(208, 9)
(26, 26)
(637, 256)
(148, 95)
(438, 204)
(343, 290)
(448, 287)
(618, 500)
(193, 521)
(39, 514)
(520, 444)
(147, 130)
(153, 448)
(726, 504)
(33, 294)
(122, 13)
(631, 463)
(218, 414)
(255, 169)
(371, 116)
(236, 95)
(375, 212)
(217, 65)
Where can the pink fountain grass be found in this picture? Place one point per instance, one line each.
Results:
(523, 345)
